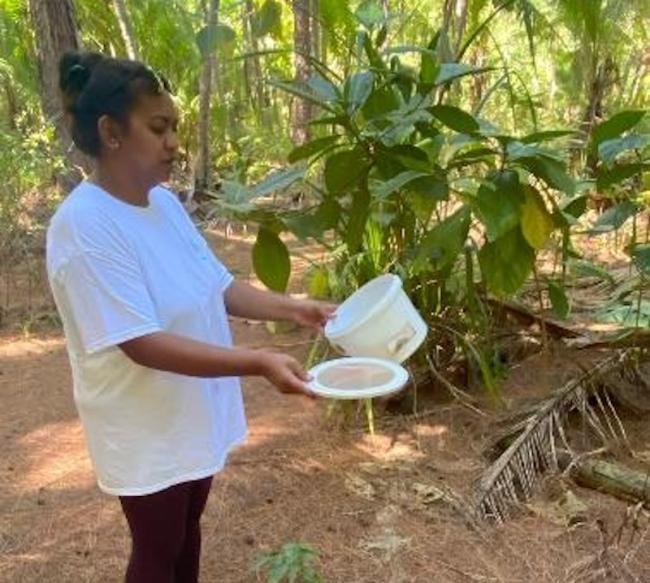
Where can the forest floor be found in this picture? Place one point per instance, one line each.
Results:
(365, 503)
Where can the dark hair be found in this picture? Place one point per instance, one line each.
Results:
(93, 85)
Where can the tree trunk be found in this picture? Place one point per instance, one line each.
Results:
(12, 105)
(462, 7)
(202, 166)
(316, 39)
(248, 43)
(56, 32)
(126, 27)
(302, 45)
(259, 97)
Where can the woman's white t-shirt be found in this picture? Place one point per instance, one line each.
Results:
(120, 271)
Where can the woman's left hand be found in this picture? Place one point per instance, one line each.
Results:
(312, 313)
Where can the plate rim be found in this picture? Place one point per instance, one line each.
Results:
(379, 391)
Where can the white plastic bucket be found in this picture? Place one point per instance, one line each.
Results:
(377, 320)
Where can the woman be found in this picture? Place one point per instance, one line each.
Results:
(144, 305)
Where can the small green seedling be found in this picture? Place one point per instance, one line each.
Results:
(293, 563)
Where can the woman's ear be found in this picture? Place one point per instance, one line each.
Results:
(110, 133)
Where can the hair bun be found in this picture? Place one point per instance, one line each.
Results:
(75, 69)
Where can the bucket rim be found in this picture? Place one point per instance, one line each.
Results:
(396, 284)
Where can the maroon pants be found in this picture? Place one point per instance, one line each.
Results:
(165, 533)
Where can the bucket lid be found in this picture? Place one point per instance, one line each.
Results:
(356, 377)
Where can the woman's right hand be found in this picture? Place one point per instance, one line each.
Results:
(285, 373)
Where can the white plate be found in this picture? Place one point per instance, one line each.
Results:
(355, 377)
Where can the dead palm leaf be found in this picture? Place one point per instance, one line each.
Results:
(514, 475)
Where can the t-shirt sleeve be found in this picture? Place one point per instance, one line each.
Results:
(106, 297)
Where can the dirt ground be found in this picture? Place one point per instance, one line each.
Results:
(364, 503)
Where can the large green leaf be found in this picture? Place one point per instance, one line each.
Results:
(551, 171)
(236, 196)
(358, 88)
(610, 149)
(387, 188)
(498, 203)
(271, 260)
(615, 126)
(280, 179)
(614, 217)
(559, 299)
(411, 157)
(358, 218)
(506, 262)
(450, 71)
(442, 245)
(311, 148)
(422, 205)
(268, 19)
(370, 13)
(607, 176)
(472, 156)
(343, 170)
(314, 223)
(574, 206)
(304, 91)
(455, 118)
(323, 88)
(545, 136)
(211, 38)
(433, 186)
(381, 101)
(537, 223)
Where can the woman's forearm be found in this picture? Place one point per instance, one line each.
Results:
(245, 301)
(181, 355)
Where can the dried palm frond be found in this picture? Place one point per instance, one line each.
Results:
(514, 475)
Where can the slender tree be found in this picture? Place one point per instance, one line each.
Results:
(202, 165)
(302, 43)
(253, 64)
(126, 27)
(56, 32)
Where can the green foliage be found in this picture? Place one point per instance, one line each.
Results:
(429, 154)
(271, 260)
(268, 19)
(292, 563)
(559, 299)
(403, 179)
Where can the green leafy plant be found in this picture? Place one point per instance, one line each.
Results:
(402, 182)
(292, 563)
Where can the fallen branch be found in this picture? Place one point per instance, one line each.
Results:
(614, 479)
(514, 475)
(526, 316)
(624, 338)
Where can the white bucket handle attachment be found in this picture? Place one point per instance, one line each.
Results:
(401, 338)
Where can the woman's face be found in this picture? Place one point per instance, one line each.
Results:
(149, 145)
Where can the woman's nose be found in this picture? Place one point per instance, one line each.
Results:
(171, 143)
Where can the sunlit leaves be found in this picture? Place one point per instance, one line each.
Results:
(506, 262)
(537, 223)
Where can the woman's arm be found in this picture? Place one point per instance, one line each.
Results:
(181, 355)
(245, 301)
